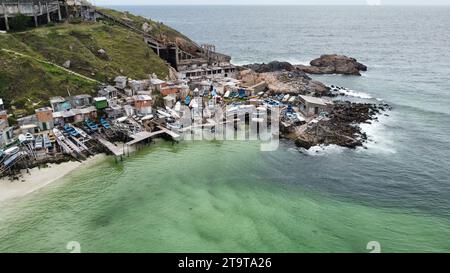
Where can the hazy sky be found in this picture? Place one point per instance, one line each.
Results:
(269, 2)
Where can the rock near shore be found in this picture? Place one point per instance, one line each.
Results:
(286, 82)
(270, 67)
(333, 64)
(341, 128)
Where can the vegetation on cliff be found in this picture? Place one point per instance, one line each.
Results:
(100, 51)
(158, 30)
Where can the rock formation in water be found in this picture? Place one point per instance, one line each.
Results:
(341, 128)
(270, 67)
(286, 82)
(333, 64)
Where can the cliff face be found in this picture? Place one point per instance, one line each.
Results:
(100, 51)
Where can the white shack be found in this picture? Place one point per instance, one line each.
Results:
(312, 106)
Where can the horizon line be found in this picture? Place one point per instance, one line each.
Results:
(278, 5)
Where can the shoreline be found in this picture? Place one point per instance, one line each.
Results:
(38, 178)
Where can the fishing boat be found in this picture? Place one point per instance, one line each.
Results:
(91, 125)
(81, 132)
(172, 112)
(38, 143)
(163, 114)
(58, 134)
(12, 151)
(105, 124)
(22, 138)
(29, 137)
(51, 137)
(47, 141)
(70, 130)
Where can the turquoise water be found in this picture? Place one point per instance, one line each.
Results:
(212, 196)
(206, 197)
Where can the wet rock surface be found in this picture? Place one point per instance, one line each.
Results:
(270, 67)
(287, 82)
(342, 126)
(333, 64)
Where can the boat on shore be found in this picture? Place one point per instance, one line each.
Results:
(38, 142)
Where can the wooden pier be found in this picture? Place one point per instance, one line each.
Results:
(172, 134)
(110, 146)
(141, 136)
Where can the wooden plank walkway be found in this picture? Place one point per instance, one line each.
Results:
(210, 123)
(110, 146)
(141, 136)
(174, 135)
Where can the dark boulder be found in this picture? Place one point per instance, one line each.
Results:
(333, 64)
(271, 67)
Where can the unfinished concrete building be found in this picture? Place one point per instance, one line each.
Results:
(42, 12)
(205, 63)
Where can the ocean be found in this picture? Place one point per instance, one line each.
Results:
(232, 197)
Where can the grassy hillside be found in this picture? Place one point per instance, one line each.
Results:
(25, 82)
(156, 29)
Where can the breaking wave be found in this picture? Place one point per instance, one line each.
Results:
(355, 94)
(379, 139)
(322, 150)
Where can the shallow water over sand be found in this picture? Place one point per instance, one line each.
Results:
(230, 196)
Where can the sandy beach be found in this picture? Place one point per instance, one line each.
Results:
(39, 178)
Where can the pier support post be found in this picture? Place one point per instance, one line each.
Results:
(177, 51)
(35, 16)
(49, 20)
(6, 17)
(59, 12)
(67, 11)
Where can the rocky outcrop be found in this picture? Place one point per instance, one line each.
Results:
(294, 82)
(333, 64)
(286, 82)
(270, 67)
(341, 127)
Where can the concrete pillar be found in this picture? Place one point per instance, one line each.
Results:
(6, 17)
(67, 11)
(176, 54)
(48, 13)
(59, 12)
(40, 8)
(35, 16)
